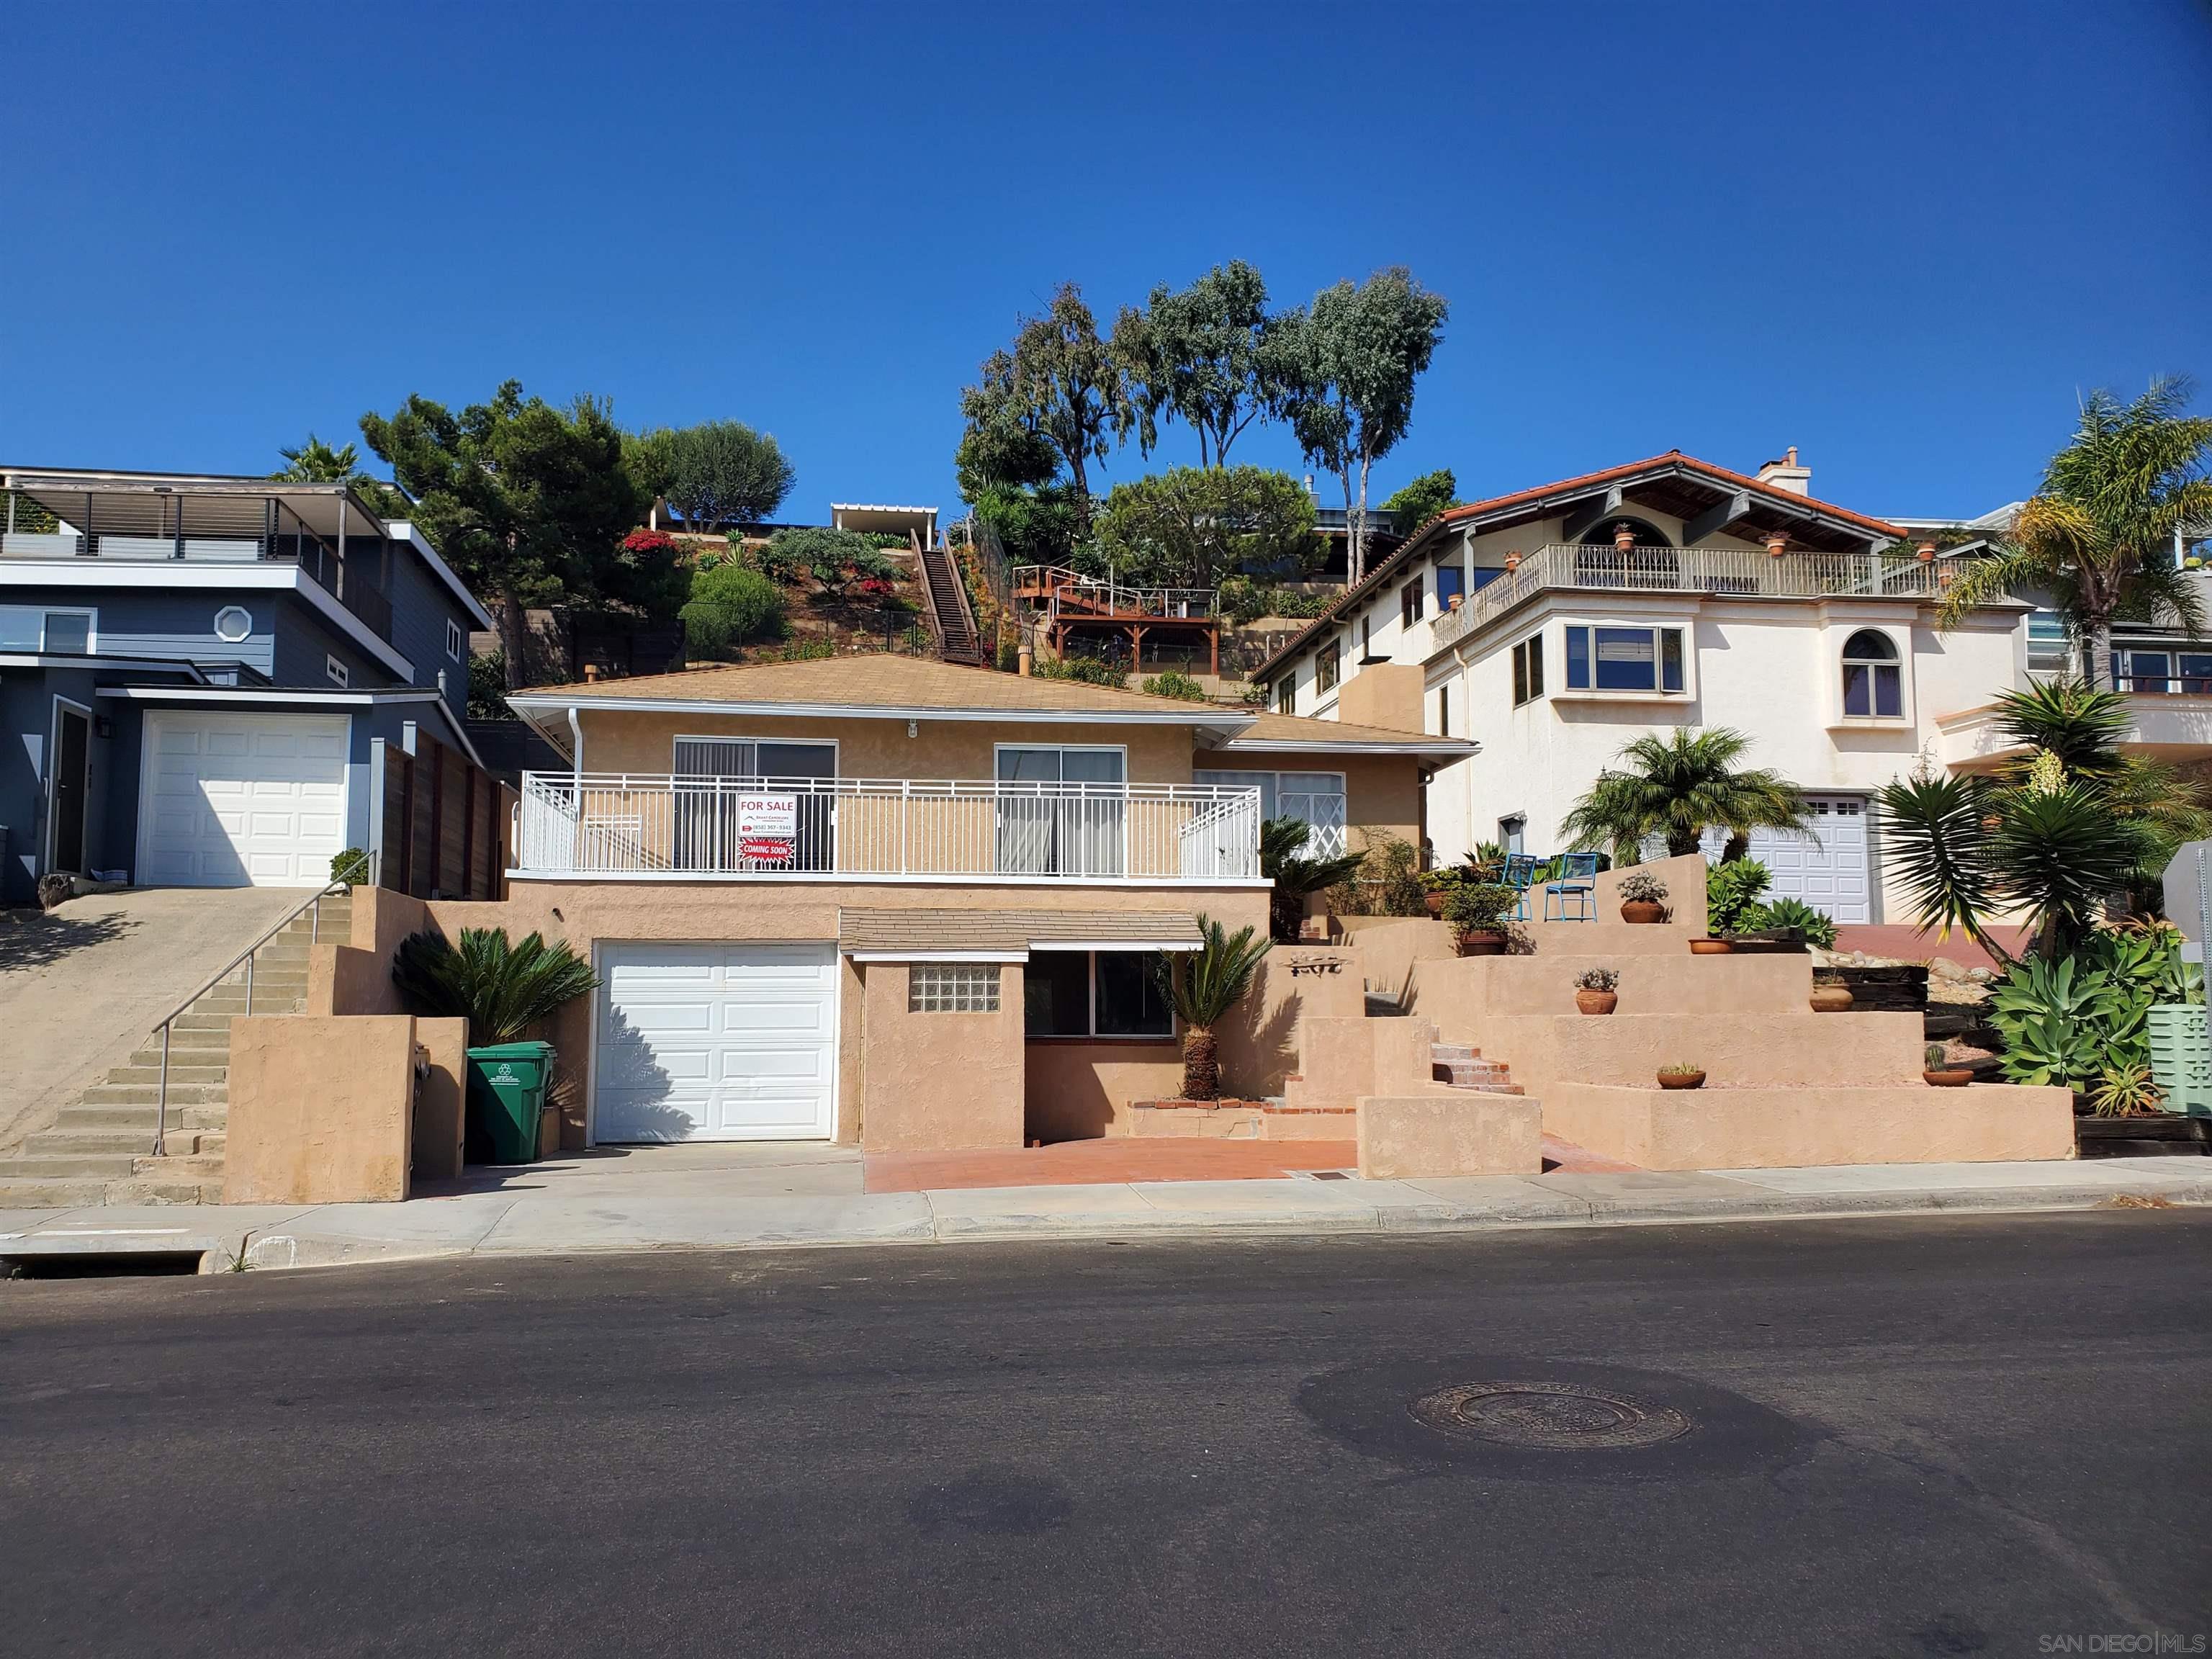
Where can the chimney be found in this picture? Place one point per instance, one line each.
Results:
(1786, 474)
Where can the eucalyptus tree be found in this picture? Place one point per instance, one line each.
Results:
(1060, 382)
(1348, 364)
(1200, 355)
(2098, 535)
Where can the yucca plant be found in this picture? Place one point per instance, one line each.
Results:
(501, 989)
(1203, 986)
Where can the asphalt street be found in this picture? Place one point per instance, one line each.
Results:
(1925, 1436)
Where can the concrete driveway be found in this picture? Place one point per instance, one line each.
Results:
(79, 986)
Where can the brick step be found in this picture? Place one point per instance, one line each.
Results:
(1445, 1054)
(149, 1095)
(181, 1166)
(1467, 1072)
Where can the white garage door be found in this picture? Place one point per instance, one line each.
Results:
(716, 1043)
(241, 800)
(1830, 873)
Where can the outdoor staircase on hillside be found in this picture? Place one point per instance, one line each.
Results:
(101, 1150)
(1459, 1066)
(955, 633)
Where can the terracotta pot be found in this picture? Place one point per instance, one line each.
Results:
(1482, 942)
(1709, 947)
(1642, 910)
(1512, 561)
(1952, 1079)
(1597, 1002)
(1435, 904)
(1832, 999)
(1682, 1079)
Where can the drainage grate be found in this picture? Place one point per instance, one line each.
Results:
(1332, 1174)
(1556, 1416)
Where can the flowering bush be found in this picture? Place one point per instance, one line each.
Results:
(652, 543)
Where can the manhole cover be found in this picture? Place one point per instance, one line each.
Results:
(1562, 1416)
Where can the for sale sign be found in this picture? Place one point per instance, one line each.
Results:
(768, 827)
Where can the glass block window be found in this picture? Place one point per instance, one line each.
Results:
(943, 988)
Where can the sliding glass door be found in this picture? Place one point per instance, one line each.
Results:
(725, 822)
(1062, 811)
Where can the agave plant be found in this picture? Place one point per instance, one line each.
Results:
(501, 989)
(1203, 986)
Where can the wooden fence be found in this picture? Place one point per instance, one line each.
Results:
(444, 826)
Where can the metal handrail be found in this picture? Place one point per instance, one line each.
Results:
(313, 907)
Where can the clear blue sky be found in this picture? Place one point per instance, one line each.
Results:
(1902, 237)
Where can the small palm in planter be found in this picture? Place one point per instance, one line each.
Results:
(501, 989)
(1478, 912)
(1597, 990)
(1203, 986)
(1643, 898)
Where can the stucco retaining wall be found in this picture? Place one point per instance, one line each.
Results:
(1649, 984)
(321, 1109)
(1853, 1050)
(1752, 1128)
(1405, 1137)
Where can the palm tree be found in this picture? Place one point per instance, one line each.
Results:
(1203, 988)
(1676, 787)
(316, 462)
(2099, 536)
(2054, 835)
(502, 990)
(1283, 861)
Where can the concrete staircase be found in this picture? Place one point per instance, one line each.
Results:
(101, 1150)
(1459, 1067)
(948, 604)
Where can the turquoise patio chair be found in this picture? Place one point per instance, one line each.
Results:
(1575, 891)
(1520, 875)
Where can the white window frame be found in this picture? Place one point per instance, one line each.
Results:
(215, 624)
(1329, 657)
(1270, 785)
(457, 642)
(336, 671)
(90, 613)
(1896, 662)
(1835, 638)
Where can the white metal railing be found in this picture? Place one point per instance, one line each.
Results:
(611, 823)
(1721, 571)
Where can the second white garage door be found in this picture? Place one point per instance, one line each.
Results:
(241, 800)
(716, 1043)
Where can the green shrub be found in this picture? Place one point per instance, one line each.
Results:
(501, 989)
(1480, 909)
(350, 868)
(1818, 929)
(1391, 873)
(1732, 895)
(1092, 671)
(1175, 684)
(748, 600)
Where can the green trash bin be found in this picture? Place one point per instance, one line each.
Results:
(507, 1094)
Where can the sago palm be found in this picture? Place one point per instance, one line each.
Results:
(1675, 787)
(501, 989)
(1283, 861)
(2098, 535)
(1203, 986)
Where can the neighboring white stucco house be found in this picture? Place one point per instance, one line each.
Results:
(1555, 625)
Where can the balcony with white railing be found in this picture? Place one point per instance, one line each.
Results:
(1717, 572)
(605, 825)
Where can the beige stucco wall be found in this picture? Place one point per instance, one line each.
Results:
(585, 913)
(1432, 1134)
(440, 1104)
(939, 1082)
(1383, 693)
(321, 1109)
(644, 741)
(1793, 1128)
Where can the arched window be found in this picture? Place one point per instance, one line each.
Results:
(1873, 684)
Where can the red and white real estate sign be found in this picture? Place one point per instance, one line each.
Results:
(768, 827)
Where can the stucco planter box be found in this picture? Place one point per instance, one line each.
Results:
(1405, 1137)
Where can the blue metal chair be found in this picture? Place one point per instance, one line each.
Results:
(1576, 889)
(1520, 875)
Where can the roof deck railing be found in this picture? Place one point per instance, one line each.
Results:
(1719, 572)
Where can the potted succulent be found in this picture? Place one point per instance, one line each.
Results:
(1681, 1075)
(1597, 990)
(1831, 995)
(1643, 897)
(1478, 912)
(1938, 1073)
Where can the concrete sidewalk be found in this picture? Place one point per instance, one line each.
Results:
(700, 1198)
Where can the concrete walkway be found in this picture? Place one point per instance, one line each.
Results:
(81, 984)
(717, 1198)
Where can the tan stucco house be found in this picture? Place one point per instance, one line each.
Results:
(915, 905)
